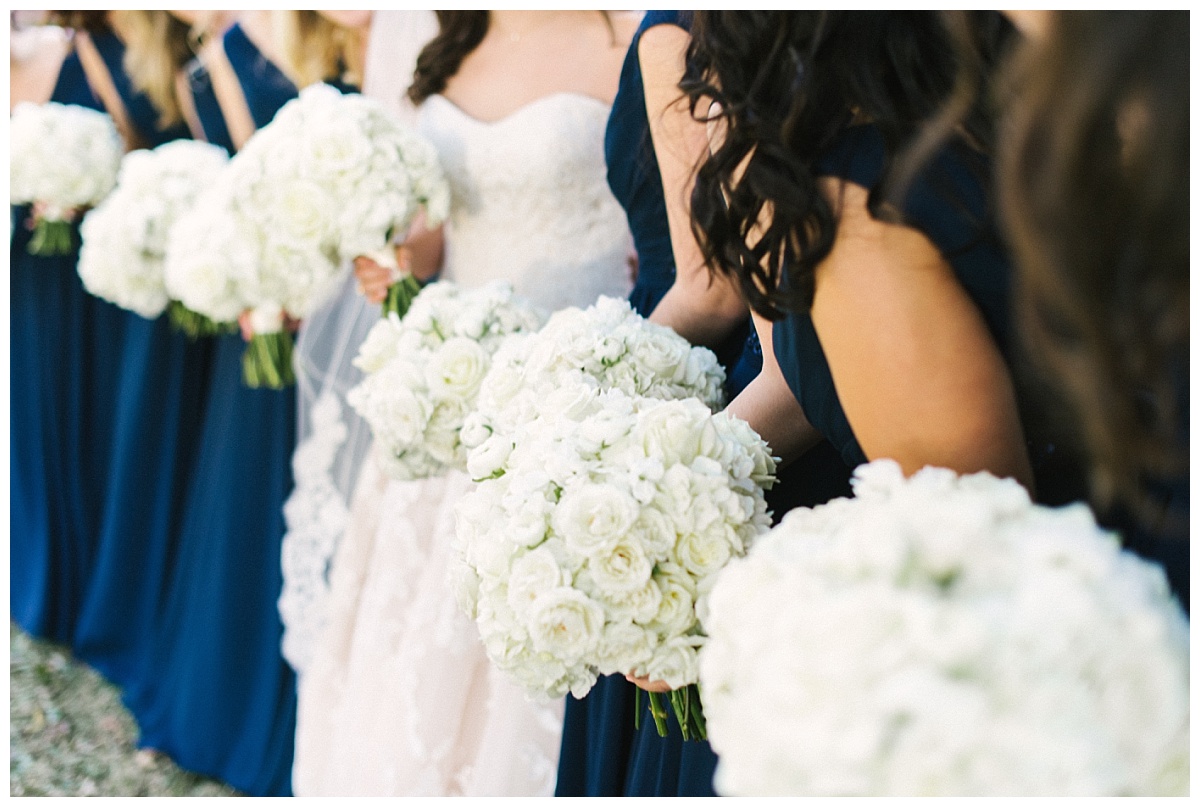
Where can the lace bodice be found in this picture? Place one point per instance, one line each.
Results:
(530, 201)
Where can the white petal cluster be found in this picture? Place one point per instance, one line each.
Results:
(331, 177)
(125, 237)
(209, 251)
(942, 635)
(599, 527)
(607, 345)
(62, 155)
(424, 372)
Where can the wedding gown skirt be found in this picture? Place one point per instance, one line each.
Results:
(399, 697)
(431, 715)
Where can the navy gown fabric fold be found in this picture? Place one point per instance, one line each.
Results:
(225, 701)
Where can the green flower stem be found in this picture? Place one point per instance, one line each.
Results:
(267, 361)
(699, 725)
(194, 325)
(400, 296)
(658, 712)
(685, 705)
(52, 238)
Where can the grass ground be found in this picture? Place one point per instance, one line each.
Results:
(69, 735)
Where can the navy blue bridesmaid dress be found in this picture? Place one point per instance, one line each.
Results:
(144, 388)
(49, 534)
(602, 754)
(225, 701)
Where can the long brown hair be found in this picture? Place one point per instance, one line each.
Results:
(459, 33)
(1095, 192)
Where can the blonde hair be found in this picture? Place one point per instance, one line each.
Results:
(314, 49)
(156, 47)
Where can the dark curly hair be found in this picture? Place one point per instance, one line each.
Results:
(1095, 192)
(788, 84)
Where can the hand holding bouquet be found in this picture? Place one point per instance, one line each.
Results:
(591, 544)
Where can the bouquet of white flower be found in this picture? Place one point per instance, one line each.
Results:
(207, 250)
(942, 635)
(590, 545)
(608, 343)
(125, 238)
(63, 157)
(424, 372)
(331, 177)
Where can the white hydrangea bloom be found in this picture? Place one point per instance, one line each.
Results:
(62, 155)
(123, 256)
(942, 635)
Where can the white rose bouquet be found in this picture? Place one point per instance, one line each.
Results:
(942, 635)
(424, 372)
(62, 158)
(608, 343)
(333, 176)
(591, 544)
(125, 238)
(207, 251)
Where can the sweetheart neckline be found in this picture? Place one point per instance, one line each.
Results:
(559, 94)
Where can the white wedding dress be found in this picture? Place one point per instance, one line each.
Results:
(399, 697)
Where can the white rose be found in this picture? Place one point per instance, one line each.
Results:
(475, 429)
(676, 612)
(624, 567)
(533, 574)
(662, 352)
(566, 624)
(640, 605)
(624, 646)
(456, 369)
(487, 460)
(675, 662)
(380, 345)
(301, 210)
(464, 582)
(405, 415)
(704, 553)
(655, 531)
(669, 431)
(593, 518)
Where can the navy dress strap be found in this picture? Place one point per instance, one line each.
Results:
(633, 173)
(264, 85)
(144, 117)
